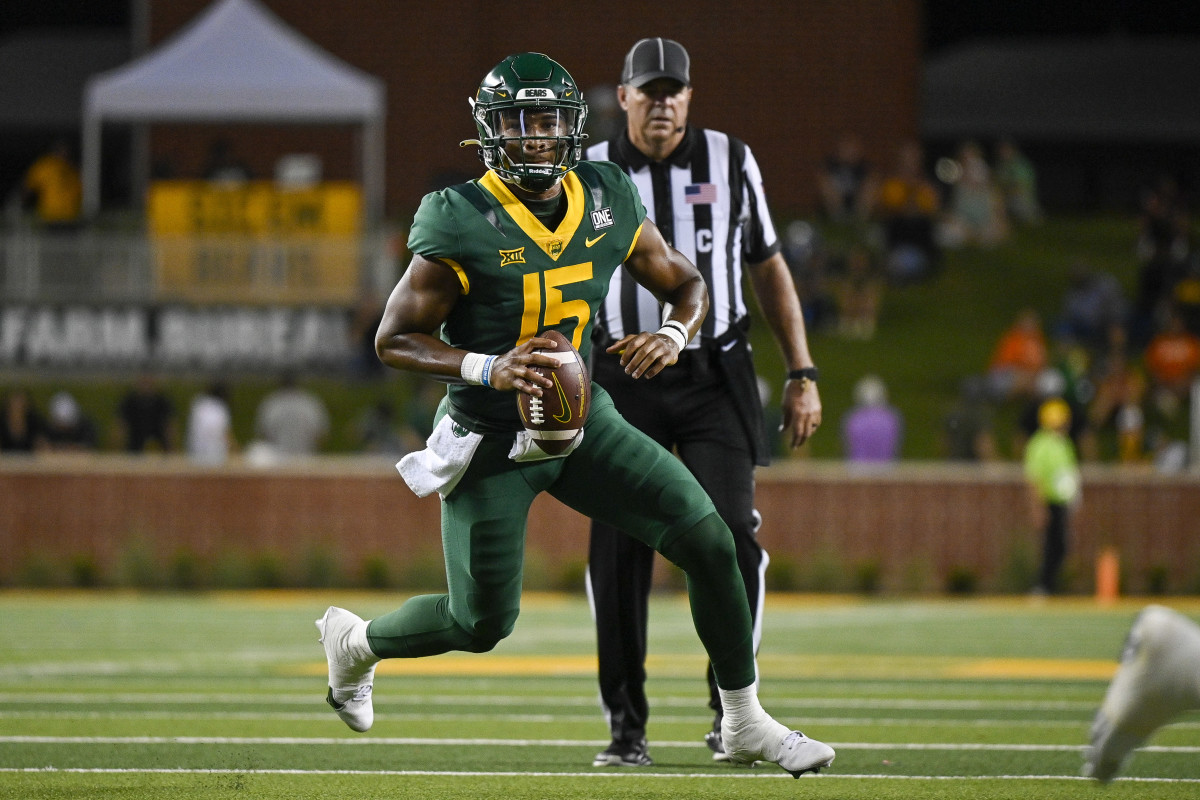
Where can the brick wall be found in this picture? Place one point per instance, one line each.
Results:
(917, 524)
(786, 77)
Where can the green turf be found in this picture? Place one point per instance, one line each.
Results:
(122, 695)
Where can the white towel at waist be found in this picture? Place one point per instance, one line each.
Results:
(447, 454)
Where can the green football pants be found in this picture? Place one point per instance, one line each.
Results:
(617, 475)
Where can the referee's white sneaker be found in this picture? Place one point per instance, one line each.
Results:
(351, 667)
(1159, 677)
(764, 739)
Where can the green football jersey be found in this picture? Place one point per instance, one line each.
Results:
(519, 279)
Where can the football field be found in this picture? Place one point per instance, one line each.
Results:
(121, 695)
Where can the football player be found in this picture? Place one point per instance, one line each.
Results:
(529, 247)
(1159, 678)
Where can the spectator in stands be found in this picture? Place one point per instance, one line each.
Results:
(22, 429)
(1094, 302)
(68, 429)
(53, 187)
(1185, 295)
(1016, 180)
(976, 213)
(146, 418)
(210, 439)
(968, 428)
(292, 421)
(1163, 249)
(859, 292)
(1119, 393)
(1019, 355)
(1052, 474)
(872, 430)
(1172, 360)
(847, 182)
(908, 207)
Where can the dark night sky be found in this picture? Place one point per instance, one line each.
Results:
(947, 22)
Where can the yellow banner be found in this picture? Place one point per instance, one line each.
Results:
(255, 242)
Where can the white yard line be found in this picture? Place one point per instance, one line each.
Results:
(809, 721)
(293, 716)
(298, 698)
(455, 742)
(741, 775)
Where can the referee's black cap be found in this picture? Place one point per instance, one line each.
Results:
(655, 58)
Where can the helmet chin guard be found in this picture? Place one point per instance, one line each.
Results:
(530, 117)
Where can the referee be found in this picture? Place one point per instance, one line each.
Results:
(703, 190)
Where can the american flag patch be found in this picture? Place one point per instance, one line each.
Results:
(700, 193)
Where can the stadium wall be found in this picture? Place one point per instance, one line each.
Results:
(920, 528)
(786, 77)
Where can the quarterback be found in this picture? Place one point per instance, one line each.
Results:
(527, 248)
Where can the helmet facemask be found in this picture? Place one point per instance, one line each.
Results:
(530, 116)
(531, 146)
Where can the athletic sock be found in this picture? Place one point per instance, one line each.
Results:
(759, 732)
(358, 646)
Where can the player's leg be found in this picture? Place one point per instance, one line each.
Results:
(625, 479)
(719, 455)
(1159, 677)
(483, 541)
(483, 533)
(1054, 547)
(620, 575)
(620, 571)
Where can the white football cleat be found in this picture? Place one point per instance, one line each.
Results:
(764, 739)
(351, 670)
(1159, 677)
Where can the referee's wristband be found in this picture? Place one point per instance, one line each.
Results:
(676, 332)
(476, 369)
(806, 374)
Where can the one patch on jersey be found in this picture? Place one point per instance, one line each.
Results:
(512, 256)
(602, 218)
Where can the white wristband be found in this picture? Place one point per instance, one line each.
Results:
(476, 369)
(675, 332)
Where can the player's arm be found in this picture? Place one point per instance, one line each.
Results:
(407, 340)
(677, 284)
(776, 294)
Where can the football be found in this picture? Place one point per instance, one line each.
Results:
(555, 418)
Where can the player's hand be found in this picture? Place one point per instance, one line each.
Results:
(514, 370)
(644, 355)
(801, 411)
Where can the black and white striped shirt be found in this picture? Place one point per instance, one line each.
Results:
(707, 199)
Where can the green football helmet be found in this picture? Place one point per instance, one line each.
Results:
(530, 116)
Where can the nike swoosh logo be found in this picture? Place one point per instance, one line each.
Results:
(590, 242)
(562, 399)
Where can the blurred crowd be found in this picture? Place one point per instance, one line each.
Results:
(291, 421)
(1124, 362)
(887, 228)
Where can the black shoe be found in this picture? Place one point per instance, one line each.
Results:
(713, 740)
(623, 754)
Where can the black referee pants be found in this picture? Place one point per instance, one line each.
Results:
(688, 408)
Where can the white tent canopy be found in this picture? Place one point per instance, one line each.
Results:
(237, 62)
